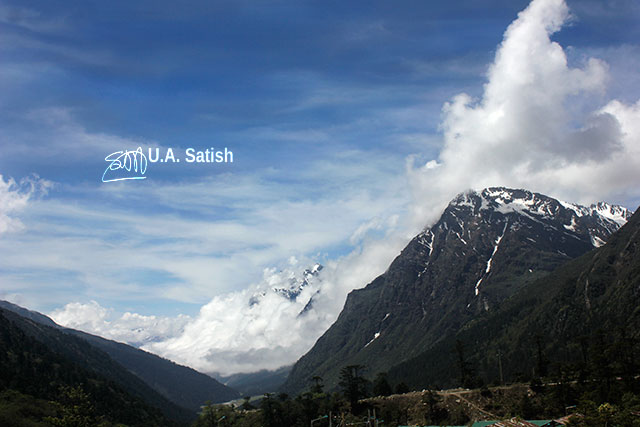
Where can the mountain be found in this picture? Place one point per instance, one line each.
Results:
(29, 314)
(290, 284)
(256, 383)
(37, 360)
(485, 247)
(296, 285)
(568, 317)
(179, 384)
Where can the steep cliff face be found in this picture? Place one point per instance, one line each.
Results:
(568, 316)
(485, 247)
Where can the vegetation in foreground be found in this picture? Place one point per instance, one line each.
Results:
(431, 407)
(41, 387)
(603, 388)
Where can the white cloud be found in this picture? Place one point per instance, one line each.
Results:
(231, 335)
(185, 240)
(53, 133)
(129, 327)
(14, 197)
(525, 130)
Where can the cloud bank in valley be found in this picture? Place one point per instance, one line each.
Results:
(132, 328)
(256, 328)
(534, 126)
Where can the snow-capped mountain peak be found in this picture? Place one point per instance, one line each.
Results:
(616, 213)
(289, 283)
(485, 248)
(598, 220)
(296, 284)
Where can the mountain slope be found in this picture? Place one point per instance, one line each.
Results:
(257, 383)
(485, 247)
(181, 385)
(37, 359)
(29, 314)
(564, 311)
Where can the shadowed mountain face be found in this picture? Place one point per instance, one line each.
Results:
(565, 316)
(180, 385)
(485, 247)
(256, 383)
(37, 360)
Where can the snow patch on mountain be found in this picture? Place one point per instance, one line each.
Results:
(596, 241)
(375, 337)
(295, 284)
(615, 213)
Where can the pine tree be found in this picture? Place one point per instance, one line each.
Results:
(354, 386)
(381, 386)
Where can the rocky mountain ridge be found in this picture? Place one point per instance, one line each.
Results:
(486, 246)
(566, 318)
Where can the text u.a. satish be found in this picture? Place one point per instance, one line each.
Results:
(192, 156)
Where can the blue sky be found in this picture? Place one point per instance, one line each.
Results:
(281, 83)
(332, 110)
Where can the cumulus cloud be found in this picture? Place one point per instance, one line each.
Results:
(529, 128)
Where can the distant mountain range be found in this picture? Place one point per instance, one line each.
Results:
(177, 390)
(256, 383)
(487, 247)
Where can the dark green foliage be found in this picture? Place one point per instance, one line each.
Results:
(74, 409)
(32, 368)
(282, 411)
(393, 412)
(354, 385)
(437, 408)
(227, 416)
(246, 404)
(183, 386)
(272, 412)
(526, 409)
(318, 385)
(536, 385)
(381, 386)
(541, 360)
(402, 388)
(624, 413)
(21, 410)
(465, 370)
